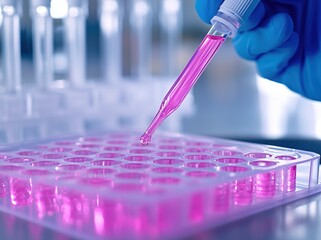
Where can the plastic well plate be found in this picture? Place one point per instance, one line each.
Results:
(109, 186)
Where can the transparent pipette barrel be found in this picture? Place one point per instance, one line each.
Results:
(171, 23)
(42, 42)
(11, 11)
(75, 33)
(188, 77)
(226, 22)
(140, 21)
(111, 25)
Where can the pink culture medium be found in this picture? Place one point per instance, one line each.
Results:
(105, 186)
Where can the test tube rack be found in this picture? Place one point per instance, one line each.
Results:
(118, 104)
(114, 96)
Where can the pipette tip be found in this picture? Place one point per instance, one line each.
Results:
(145, 139)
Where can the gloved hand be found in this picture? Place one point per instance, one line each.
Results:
(283, 37)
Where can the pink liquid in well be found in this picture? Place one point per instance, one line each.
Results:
(3, 186)
(221, 198)
(46, 200)
(242, 191)
(184, 83)
(142, 192)
(197, 207)
(73, 209)
(20, 192)
(288, 179)
(288, 175)
(264, 183)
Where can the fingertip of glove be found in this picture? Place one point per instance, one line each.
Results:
(269, 35)
(283, 26)
(242, 46)
(264, 68)
(273, 63)
(202, 12)
(254, 19)
(207, 8)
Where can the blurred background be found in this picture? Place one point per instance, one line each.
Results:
(111, 63)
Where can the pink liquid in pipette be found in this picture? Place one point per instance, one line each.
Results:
(184, 83)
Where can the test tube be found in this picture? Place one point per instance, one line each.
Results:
(171, 20)
(110, 17)
(140, 22)
(42, 42)
(13, 101)
(11, 12)
(75, 32)
(42, 101)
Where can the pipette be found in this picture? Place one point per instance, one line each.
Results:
(225, 23)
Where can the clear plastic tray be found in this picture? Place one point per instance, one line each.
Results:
(109, 186)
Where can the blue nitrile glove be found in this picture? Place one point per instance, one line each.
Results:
(283, 37)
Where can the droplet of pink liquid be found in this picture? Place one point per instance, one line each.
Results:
(145, 139)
